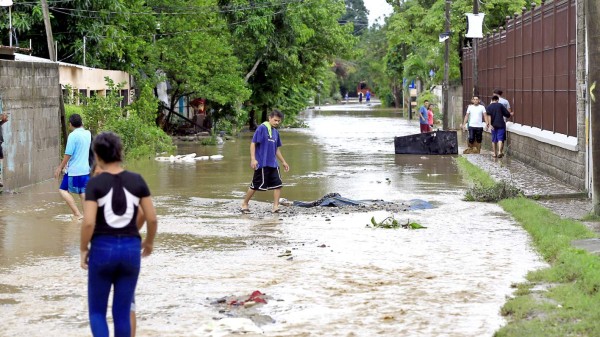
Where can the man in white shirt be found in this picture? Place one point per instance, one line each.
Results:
(474, 122)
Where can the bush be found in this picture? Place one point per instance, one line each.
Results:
(71, 110)
(136, 126)
(146, 106)
(337, 97)
(494, 193)
(140, 139)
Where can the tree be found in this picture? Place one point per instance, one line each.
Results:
(195, 53)
(356, 13)
(284, 46)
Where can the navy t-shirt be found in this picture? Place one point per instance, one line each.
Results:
(266, 146)
(497, 112)
(118, 197)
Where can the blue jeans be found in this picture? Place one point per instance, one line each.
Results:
(113, 261)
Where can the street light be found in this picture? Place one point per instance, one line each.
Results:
(8, 3)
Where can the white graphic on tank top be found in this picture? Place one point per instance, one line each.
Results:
(112, 219)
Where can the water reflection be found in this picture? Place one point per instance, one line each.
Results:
(342, 279)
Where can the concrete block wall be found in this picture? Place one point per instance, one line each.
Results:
(30, 92)
(566, 165)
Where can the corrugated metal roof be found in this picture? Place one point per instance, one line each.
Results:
(29, 58)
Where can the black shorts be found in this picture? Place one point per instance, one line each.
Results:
(1, 153)
(266, 178)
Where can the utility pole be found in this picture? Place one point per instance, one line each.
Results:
(446, 68)
(10, 27)
(592, 13)
(84, 50)
(49, 37)
(475, 54)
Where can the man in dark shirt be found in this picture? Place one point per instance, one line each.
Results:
(494, 119)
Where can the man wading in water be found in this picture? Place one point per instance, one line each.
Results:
(264, 152)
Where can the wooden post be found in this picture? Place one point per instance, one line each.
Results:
(49, 37)
(446, 68)
(592, 14)
(475, 54)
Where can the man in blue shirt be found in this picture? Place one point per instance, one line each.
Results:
(76, 160)
(424, 117)
(264, 152)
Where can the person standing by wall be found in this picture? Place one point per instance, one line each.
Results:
(76, 161)
(503, 101)
(264, 152)
(430, 117)
(110, 241)
(3, 119)
(474, 122)
(495, 114)
(423, 117)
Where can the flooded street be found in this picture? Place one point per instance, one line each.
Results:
(339, 278)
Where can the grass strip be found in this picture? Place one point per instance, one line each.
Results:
(563, 299)
(473, 173)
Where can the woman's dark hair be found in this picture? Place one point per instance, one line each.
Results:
(75, 120)
(108, 147)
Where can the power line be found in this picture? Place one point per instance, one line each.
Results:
(189, 11)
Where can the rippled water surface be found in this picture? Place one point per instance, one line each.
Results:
(339, 277)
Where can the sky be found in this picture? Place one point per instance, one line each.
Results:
(376, 9)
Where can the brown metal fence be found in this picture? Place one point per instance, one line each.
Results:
(534, 62)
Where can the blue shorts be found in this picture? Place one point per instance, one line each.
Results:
(74, 184)
(498, 135)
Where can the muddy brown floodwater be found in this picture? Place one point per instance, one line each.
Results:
(324, 273)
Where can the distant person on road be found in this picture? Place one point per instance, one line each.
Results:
(360, 96)
(76, 162)
(430, 117)
(368, 96)
(346, 97)
(474, 122)
(111, 246)
(264, 152)
(423, 117)
(3, 119)
(495, 114)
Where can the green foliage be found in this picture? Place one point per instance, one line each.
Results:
(570, 288)
(285, 47)
(591, 217)
(100, 111)
(140, 136)
(73, 109)
(209, 141)
(474, 174)
(232, 122)
(391, 222)
(356, 14)
(499, 191)
(146, 105)
(139, 139)
(427, 96)
(483, 187)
